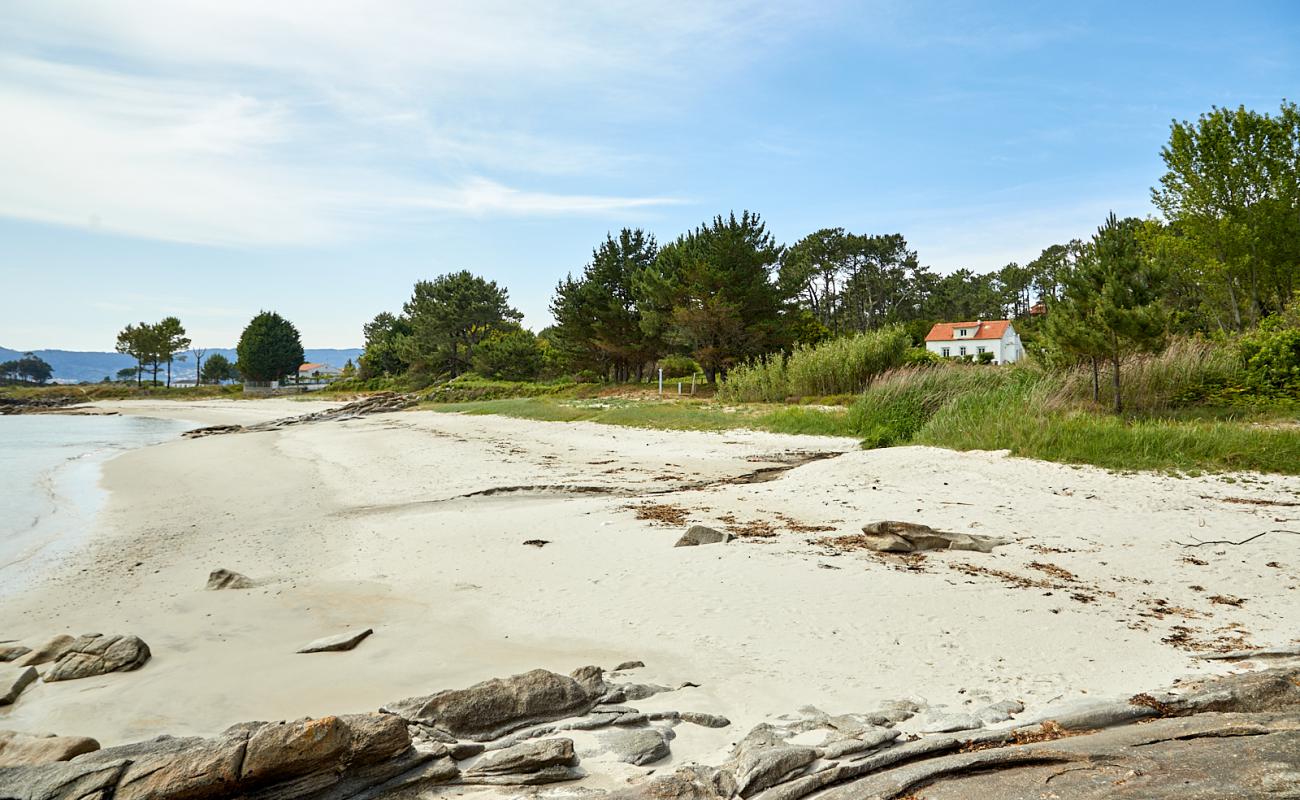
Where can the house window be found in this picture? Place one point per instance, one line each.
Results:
(947, 351)
(962, 351)
(979, 349)
(961, 331)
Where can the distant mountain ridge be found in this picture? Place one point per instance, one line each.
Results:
(74, 366)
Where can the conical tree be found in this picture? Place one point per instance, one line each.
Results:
(269, 348)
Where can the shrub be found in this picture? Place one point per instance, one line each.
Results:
(1188, 371)
(841, 366)
(677, 366)
(1272, 357)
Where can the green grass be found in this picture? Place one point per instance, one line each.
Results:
(681, 415)
(89, 393)
(1031, 413)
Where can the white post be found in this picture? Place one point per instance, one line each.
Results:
(692, 383)
(679, 388)
(661, 381)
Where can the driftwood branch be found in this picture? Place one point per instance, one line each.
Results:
(1248, 539)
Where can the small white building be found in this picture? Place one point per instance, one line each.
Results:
(961, 339)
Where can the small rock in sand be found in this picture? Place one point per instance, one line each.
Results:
(629, 665)
(890, 536)
(537, 542)
(228, 579)
(342, 641)
(12, 682)
(11, 652)
(699, 534)
(638, 746)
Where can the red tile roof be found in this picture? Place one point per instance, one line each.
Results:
(947, 331)
(312, 367)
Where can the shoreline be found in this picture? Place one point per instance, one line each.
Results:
(366, 523)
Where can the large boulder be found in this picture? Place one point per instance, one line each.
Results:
(12, 682)
(890, 536)
(638, 746)
(192, 768)
(20, 749)
(286, 749)
(493, 708)
(94, 654)
(74, 780)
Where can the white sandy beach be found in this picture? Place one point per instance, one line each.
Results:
(365, 523)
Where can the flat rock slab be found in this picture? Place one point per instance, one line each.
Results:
(12, 682)
(94, 654)
(890, 536)
(47, 651)
(699, 534)
(342, 641)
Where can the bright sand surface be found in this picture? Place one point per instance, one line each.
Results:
(366, 523)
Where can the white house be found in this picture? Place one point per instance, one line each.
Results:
(958, 339)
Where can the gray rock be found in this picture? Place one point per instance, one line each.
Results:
(61, 779)
(530, 756)
(167, 767)
(640, 691)
(687, 783)
(640, 746)
(864, 741)
(338, 642)
(1002, 711)
(946, 723)
(47, 651)
(539, 777)
(591, 679)
(705, 720)
(699, 534)
(228, 579)
(12, 682)
(11, 652)
(22, 749)
(463, 750)
(94, 654)
(629, 665)
(759, 768)
(890, 536)
(494, 708)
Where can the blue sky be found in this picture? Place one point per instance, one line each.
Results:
(210, 158)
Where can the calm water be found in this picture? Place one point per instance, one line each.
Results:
(49, 481)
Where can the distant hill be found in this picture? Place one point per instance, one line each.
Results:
(71, 366)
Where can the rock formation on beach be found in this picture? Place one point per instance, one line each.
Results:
(1237, 736)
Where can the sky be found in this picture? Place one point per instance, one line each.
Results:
(212, 158)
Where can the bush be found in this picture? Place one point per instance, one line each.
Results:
(841, 366)
(1272, 356)
(679, 367)
(1187, 372)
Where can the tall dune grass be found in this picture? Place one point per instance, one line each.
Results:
(840, 366)
(1187, 371)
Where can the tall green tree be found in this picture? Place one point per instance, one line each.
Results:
(218, 369)
(1111, 305)
(269, 348)
(711, 293)
(1230, 193)
(598, 321)
(852, 282)
(449, 316)
(171, 338)
(384, 336)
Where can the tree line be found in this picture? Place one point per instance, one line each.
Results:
(30, 368)
(269, 349)
(1223, 257)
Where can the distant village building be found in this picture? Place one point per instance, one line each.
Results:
(1038, 309)
(970, 339)
(314, 370)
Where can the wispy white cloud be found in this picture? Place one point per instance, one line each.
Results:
(294, 122)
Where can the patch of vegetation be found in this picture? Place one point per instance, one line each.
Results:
(837, 366)
(89, 393)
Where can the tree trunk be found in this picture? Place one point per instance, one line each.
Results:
(169, 373)
(1119, 402)
(1096, 380)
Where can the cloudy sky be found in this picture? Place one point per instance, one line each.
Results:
(210, 158)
